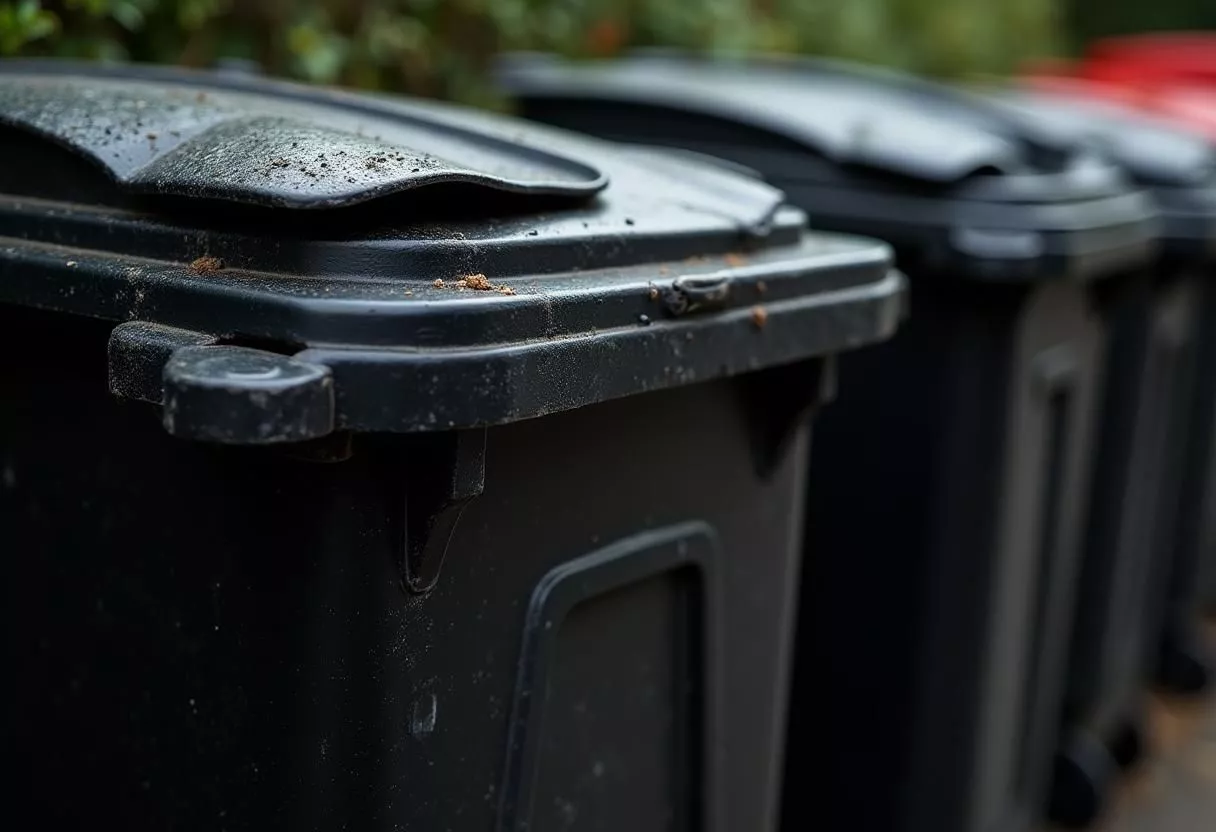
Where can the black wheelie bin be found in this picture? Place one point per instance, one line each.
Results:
(375, 464)
(1151, 456)
(942, 548)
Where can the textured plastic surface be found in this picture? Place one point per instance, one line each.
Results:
(341, 578)
(939, 171)
(521, 271)
(930, 675)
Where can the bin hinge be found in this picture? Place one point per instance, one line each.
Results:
(218, 392)
(445, 473)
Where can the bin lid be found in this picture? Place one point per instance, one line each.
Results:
(1188, 105)
(385, 264)
(1180, 57)
(939, 172)
(1177, 165)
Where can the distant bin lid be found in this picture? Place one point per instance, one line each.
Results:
(936, 171)
(1180, 57)
(1190, 106)
(383, 264)
(1177, 165)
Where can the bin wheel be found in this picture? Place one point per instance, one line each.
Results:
(1183, 669)
(1081, 782)
(1127, 742)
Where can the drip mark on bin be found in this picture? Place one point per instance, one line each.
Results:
(423, 715)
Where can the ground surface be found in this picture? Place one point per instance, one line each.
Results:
(1175, 791)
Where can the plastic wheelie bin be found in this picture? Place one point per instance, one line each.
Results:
(1197, 575)
(1153, 441)
(1167, 88)
(942, 553)
(446, 475)
(1174, 75)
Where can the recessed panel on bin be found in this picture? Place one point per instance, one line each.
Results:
(616, 689)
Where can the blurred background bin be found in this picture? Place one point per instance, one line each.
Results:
(1174, 76)
(251, 606)
(1154, 442)
(1164, 58)
(942, 551)
(1193, 109)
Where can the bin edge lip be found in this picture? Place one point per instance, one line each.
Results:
(873, 314)
(783, 311)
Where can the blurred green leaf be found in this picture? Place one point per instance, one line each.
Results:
(23, 23)
(446, 47)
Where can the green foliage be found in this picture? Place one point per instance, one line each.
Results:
(444, 47)
(22, 23)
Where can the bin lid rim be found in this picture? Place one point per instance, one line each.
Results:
(1153, 151)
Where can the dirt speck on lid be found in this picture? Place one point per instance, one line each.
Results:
(480, 283)
(653, 294)
(735, 260)
(476, 281)
(438, 284)
(759, 316)
(206, 265)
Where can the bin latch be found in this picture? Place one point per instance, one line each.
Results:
(444, 473)
(697, 294)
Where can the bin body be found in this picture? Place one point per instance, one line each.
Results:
(933, 695)
(1178, 166)
(452, 488)
(220, 637)
(941, 555)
